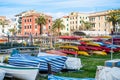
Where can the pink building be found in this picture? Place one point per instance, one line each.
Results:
(29, 25)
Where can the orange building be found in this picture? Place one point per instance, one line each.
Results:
(29, 25)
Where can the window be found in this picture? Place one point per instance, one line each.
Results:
(25, 27)
(49, 21)
(25, 20)
(80, 21)
(36, 34)
(35, 19)
(76, 22)
(105, 23)
(35, 26)
(67, 19)
(67, 24)
(80, 17)
(25, 33)
(99, 24)
(30, 20)
(67, 29)
(99, 17)
(86, 17)
(28, 27)
(105, 17)
(49, 27)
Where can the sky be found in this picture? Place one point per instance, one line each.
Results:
(56, 8)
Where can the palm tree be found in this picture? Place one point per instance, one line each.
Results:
(3, 23)
(114, 17)
(58, 25)
(86, 25)
(41, 21)
(13, 31)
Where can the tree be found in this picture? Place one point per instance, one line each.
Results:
(13, 31)
(41, 21)
(114, 17)
(58, 25)
(3, 23)
(86, 25)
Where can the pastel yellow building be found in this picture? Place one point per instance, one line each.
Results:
(99, 20)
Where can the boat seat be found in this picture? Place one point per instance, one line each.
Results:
(8, 77)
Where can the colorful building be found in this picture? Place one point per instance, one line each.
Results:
(99, 20)
(66, 30)
(76, 20)
(29, 25)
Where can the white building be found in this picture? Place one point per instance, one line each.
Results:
(76, 19)
(66, 30)
(73, 22)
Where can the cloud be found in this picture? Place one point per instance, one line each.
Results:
(57, 14)
(56, 7)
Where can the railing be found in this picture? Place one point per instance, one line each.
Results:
(30, 50)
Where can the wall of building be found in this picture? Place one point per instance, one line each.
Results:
(76, 20)
(66, 23)
(29, 25)
(100, 22)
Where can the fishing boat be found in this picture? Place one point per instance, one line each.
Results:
(24, 73)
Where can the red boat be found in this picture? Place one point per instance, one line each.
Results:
(68, 52)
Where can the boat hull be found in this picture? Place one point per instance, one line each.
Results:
(24, 73)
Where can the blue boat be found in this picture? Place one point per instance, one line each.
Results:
(53, 77)
(24, 60)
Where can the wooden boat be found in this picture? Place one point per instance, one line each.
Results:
(24, 73)
(83, 53)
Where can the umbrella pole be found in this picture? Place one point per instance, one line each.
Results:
(112, 49)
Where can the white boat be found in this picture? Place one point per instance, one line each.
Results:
(2, 74)
(24, 73)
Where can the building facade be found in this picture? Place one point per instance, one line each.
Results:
(66, 30)
(76, 19)
(29, 25)
(99, 20)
